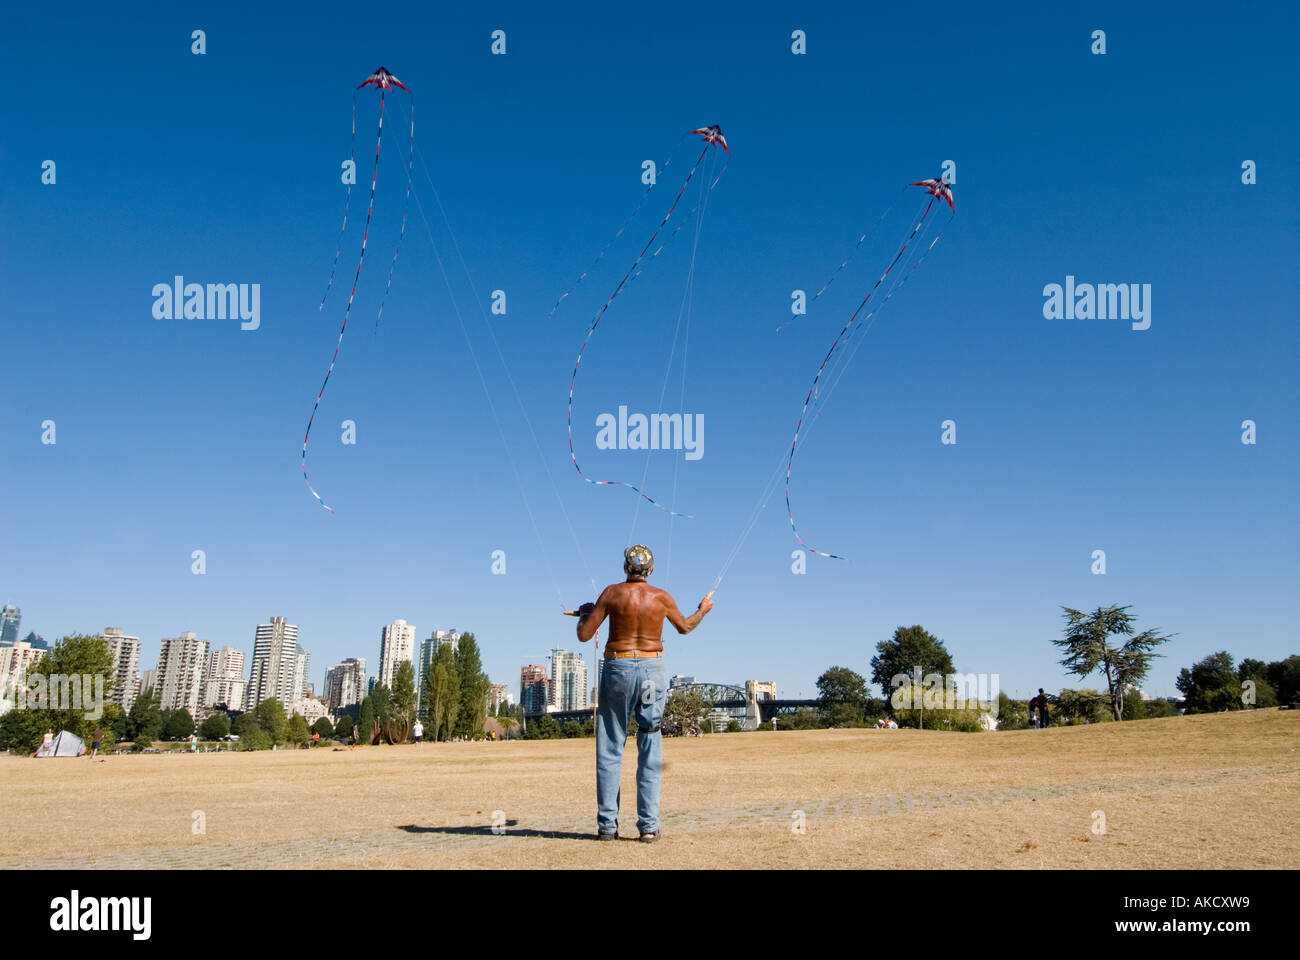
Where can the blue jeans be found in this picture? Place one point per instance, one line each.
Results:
(629, 687)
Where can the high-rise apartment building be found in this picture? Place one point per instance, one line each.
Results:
(275, 664)
(302, 668)
(125, 654)
(225, 683)
(10, 618)
(498, 693)
(14, 661)
(182, 662)
(347, 684)
(428, 651)
(533, 685)
(396, 644)
(568, 688)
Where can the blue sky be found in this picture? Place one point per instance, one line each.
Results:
(1073, 435)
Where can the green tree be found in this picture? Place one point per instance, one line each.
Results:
(404, 691)
(842, 695)
(509, 724)
(255, 739)
(1159, 707)
(682, 712)
(144, 722)
(1284, 677)
(1211, 684)
(324, 728)
(1012, 714)
(344, 718)
(365, 720)
(1088, 648)
(805, 718)
(296, 731)
(911, 652)
(547, 728)
(1256, 672)
(474, 687)
(1080, 706)
(271, 720)
(21, 731)
(215, 726)
(177, 725)
(441, 697)
(381, 701)
(65, 703)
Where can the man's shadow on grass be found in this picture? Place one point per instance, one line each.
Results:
(507, 832)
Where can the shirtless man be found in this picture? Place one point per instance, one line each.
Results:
(632, 681)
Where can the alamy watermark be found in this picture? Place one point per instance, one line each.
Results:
(658, 431)
(179, 300)
(1100, 301)
(56, 691)
(937, 691)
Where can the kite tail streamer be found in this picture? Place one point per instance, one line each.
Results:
(630, 217)
(410, 170)
(847, 260)
(370, 209)
(591, 330)
(347, 201)
(773, 480)
(817, 379)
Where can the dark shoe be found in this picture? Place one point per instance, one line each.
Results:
(607, 836)
(649, 837)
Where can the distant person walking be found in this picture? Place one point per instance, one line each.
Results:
(1040, 703)
(632, 682)
(417, 731)
(96, 739)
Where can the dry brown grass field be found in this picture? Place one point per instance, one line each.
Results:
(1185, 792)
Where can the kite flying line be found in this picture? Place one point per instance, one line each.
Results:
(772, 484)
(383, 81)
(937, 189)
(684, 310)
(483, 381)
(711, 136)
(347, 201)
(612, 240)
(846, 261)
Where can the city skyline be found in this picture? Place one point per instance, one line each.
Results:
(299, 680)
(461, 446)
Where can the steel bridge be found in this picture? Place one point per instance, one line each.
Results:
(721, 699)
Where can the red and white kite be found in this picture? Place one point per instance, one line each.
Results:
(713, 134)
(382, 79)
(938, 188)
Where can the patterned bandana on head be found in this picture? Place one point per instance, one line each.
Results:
(638, 562)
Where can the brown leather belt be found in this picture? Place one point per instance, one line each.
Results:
(629, 654)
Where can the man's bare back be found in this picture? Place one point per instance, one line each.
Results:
(636, 613)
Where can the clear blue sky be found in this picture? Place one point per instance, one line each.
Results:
(1073, 435)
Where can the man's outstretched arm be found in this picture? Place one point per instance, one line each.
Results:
(687, 624)
(590, 617)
